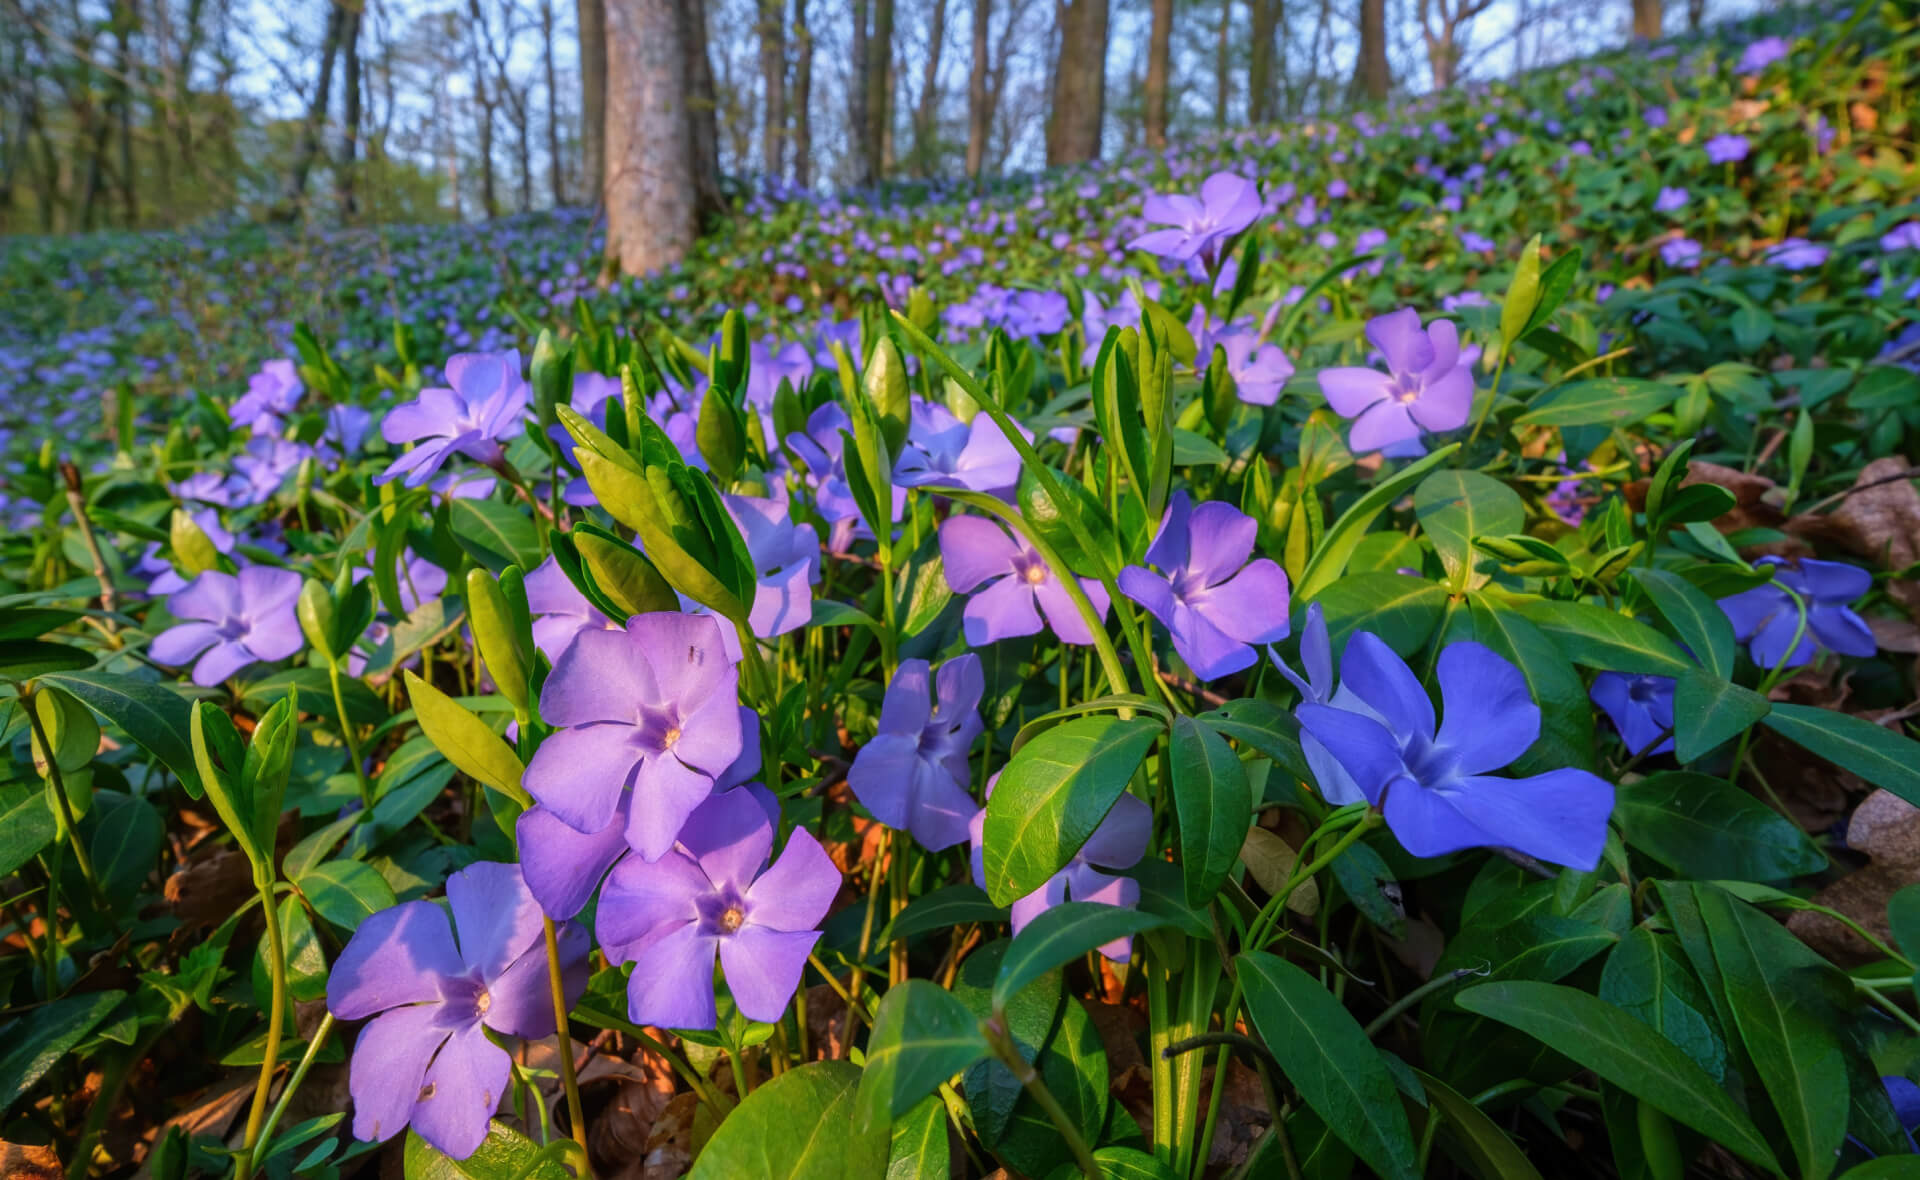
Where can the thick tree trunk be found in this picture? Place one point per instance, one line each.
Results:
(523, 145)
(1263, 16)
(555, 174)
(864, 165)
(925, 119)
(1371, 78)
(1159, 72)
(1696, 13)
(125, 18)
(702, 112)
(309, 147)
(1647, 16)
(773, 89)
(1079, 82)
(350, 117)
(649, 187)
(592, 15)
(979, 113)
(1222, 66)
(879, 87)
(802, 97)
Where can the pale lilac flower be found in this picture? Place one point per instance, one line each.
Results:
(942, 450)
(1212, 600)
(1763, 53)
(1797, 254)
(1015, 585)
(786, 563)
(484, 407)
(1670, 200)
(1726, 149)
(1428, 386)
(233, 621)
(913, 775)
(1118, 843)
(559, 610)
(1680, 253)
(272, 393)
(1227, 204)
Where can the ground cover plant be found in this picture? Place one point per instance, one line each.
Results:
(1383, 646)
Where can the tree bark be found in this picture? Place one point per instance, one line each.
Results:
(1647, 16)
(649, 189)
(802, 97)
(879, 87)
(1079, 82)
(1263, 16)
(1159, 71)
(350, 117)
(487, 101)
(309, 148)
(926, 118)
(1222, 67)
(1371, 78)
(702, 106)
(592, 15)
(979, 114)
(863, 163)
(1696, 13)
(773, 89)
(555, 174)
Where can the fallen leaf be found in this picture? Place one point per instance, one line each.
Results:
(1886, 828)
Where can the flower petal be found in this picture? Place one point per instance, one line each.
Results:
(578, 773)
(599, 677)
(1401, 340)
(521, 999)
(908, 705)
(672, 984)
(1220, 539)
(973, 549)
(641, 898)
(463, 1089)
(563, 867)
(179, 645)
(397, 956)
(797, 889)
(687, 655)
(730, 837)
(494, 916)
(1349, 391)
(1363, 747)
(1377, 675)
(1559, 817)
(1121, 839)
(390, 1059)
(1251, 606)
(665, 792)
(1004, 610)
(763, 968)
(1489, 717)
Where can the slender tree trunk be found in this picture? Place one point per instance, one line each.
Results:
(864, 164)
(592, 15)
(1696, 13)
(309, 147)
(1371, 78)
(1647, 16)
(879, 86)
(1159, 69)
(125, 18)
(350, 118)
(1263, 16)
(555, 182)
(702, 105)
(802, 97)
(1079, 82)
(1222, 67)
(773, 89)
(523, 143)
(926, 118)
(486, 101)
(979, 114)
(649, 187)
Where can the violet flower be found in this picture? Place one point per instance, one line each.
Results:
(233, 621)
(1211, 599)
(271, 395)
(654, 708)
(1436, 789)
(714, 895)
(913, 775)
(1797, 254)
(485, 406)
(1726, 149)
(941, 449)
(1670, 200)
(1763, 53)
(345, 433)
(1427, 386)
(559, 610)
(786, 563)
(1640, 707)
(1118, 843)
(1680, 253)
(1766, 619)
(1014, 584)
(1317, 688)
(425, 1060)
(1259, 371)
(1227, 204)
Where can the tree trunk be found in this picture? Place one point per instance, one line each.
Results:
(1263, 16)
(489, 191)
(979, 114)
(863, 164)
(350, 118)
(309, 147)
(702, 108)
(773, 84)
(1696, 13)
(650, 152)
(1079, 82)
(1222, 67)
(555, 181)
(592, 15)
(1371, 79)
(879, 87)
(125, 18)
(925, 119)
(523, 143)
(1159, 69)
(802, 97)
(1647, 18)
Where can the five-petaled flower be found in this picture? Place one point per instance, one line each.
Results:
(913, 775)
(715, 894)
(1640, 707)
(1015, 586)
(1226, 205)
(484, 407)
(1212, 600)
(1426, 388)
(1766, 619)
(655, 708)
(426, 1059)
(1436, 789)
(235, 620)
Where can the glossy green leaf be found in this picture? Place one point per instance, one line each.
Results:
(1874, 752)
(1647, 977)
(27, 825)
(466, 741)
(1336, 547)
(37, 1039)
(1402, 611)
(1480, 1139)
(506, 1154)
(1061, 934)
(1595, 637)
(801, 1125)
(1694, 617)
(921, 1037)
(1117, 1163)
(1609, 401)
(919, 1149)
(153, 715)
(1214, 805)
(1709, 711)
(1709, 830)
(345, 892)
(948, 906)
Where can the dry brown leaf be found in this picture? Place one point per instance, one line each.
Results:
(29, 1161)
(1887, 829)
(1880, 522)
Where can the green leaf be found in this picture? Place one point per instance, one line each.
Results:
(1118, 1163)
(919, 1149)
(153, 715)
(1494, 1156)
(1793, 1043)
(125, 845)
(316, 695)
(922, 1036)
(1329, 1060)
(1624, 1051)
(1053, 794)
(1059, 935)
(1555, 282)
(494, 534)
(1595, 637)
(26, 659)
(623, 574)
(1523, 295)
(1647, 977)
(799, 1126)
(1402, 611)
(38, 1039)
(949, 906)
(1695, 618)
(466, 741)
(505, 1155)
(346, 892)
(27, 825)
(1214, 805)
(1709, 830)
(1708, 711)
(1610, 401)
(1903, 916)
(1264, 727)
(1875, 753)
(1566, 713)
(1336, 547)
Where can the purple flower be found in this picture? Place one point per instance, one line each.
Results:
(345, 433)
(1125, 313)
(1435, 788)
(207, 487)
(167, 580)
(484, 406)
(426, 1059)
(234, 621)
(941, 449)
(1226, 205)
(1763, 53)
(1640, 707)
(1015, 585)
(1680, 253)
(1211, 599)
(786, 563)
(1118, 843)
(767, 368)
(263, 467)
(1797, 254)
(654, 707)
(1259, 371)
(1670, 199)
(271, 395)
(1726, 149)
(714, 895)
(1905, 236)
(913, 775)
(1427, 386)
(1766, 618)
(1317, 688)
(559, 610)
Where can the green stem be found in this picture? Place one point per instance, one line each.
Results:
(293, 1083)
(740, 1087)
(1438, 983)
(1493, 394)
(1269, 914)
(1003, 1048)
(563, 1039)
(277, 970)
(1213, 1104)
(67, 821)
(346, 735)
(897, 901)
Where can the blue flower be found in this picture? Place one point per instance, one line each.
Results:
(1766, 618)
(1640, 707)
